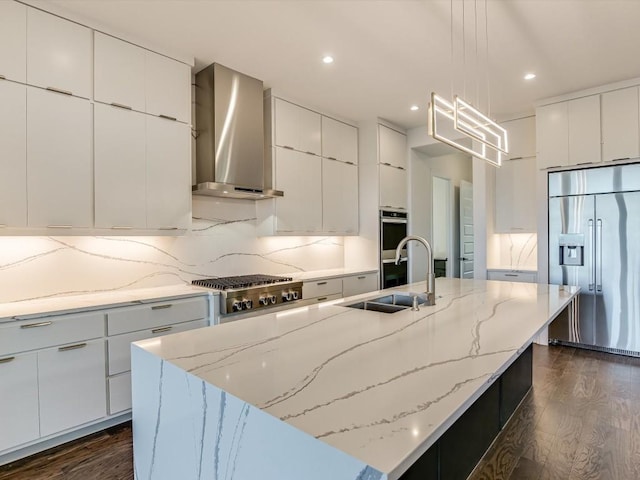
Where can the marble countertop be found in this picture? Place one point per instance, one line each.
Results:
(13, 311)
(380, 387)
(330, 273)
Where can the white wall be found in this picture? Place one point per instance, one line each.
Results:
(221, 242)
(441, 210)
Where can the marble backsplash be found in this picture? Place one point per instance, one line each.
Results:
(222, 241)
(518, 251)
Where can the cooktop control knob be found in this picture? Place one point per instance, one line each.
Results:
(264, 300)
(236, 306)
(247, 304)
(273, 299)
(286, 296)
(294, 294)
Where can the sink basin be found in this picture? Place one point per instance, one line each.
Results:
(391, 303)
(377, 307)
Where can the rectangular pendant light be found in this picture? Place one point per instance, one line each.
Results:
(442, 113)
(478, 125)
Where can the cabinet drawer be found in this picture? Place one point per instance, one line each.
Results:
(144, 317)
(512, 276)
(45, 332)
(358, 284)
(120, 393)
(119, 347)
(322, 288)
(326, 298)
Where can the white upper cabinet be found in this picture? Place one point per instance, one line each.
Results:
(299, 175)
(119, 72)
(168, 162)
(339, 141)
(620, 135)
(392, 148)
(168, 87)
(339, 197)
(13, 154)
(584, 130)
(516, 196)
(552, 135)
(522, 137)
(13, 41)
(59, 54)
(297, 128)
(59, 160)
(120, 168)
(393, 187)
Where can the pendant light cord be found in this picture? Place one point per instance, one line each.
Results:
(486, 30)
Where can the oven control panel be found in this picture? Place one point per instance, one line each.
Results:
(261, 297)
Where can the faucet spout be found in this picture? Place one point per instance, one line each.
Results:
(431, 279)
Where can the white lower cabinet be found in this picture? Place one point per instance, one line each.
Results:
(18, 400)
(512, 276)
(72, 387)
(119, 393)
(357, 284)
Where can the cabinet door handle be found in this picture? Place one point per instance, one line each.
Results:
(2, 77)
(161, 329)
(387, 164)
(619, 159)
(310, 153)
(399, 168)
(161, 307)
(584, 163)
(7, 360)
(362, 277)
(516, 158)
(349, 163)
(333, 158)
(321, 283)
(168, 228)
(59, 226)
(288, 147)
(322, 299)
(552, 166)
(36, 325)
(121, 105)
(59, 90)
(168, 117)
(121, 227)
(72, 347)
(511, 275)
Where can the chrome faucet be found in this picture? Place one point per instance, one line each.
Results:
(431, 278)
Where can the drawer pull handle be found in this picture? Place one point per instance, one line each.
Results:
(167, 117)
(120, 105)
(511, 275)
(349, 163)
(35, 325)
(322, 283)
(168, 228)
(161, 307)
(2, 77)
(59, 226)
(362, 277)
(161, 329)
(333, 158)
(121, 227)
(619, 159)
(59, 90)
(7, 360)
(72, 347)
(288, 147)
(321, 299)
(517, 158)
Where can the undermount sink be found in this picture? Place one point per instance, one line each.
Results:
(391, 303)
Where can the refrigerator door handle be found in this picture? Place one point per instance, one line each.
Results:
(599, 255)
(592, 282)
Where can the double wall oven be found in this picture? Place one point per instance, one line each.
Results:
(393, 228)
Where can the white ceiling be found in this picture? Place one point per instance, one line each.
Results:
(390, 54)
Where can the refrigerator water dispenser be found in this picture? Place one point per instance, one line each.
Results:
(571, 249)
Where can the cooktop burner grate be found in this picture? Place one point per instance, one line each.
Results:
(240, 281)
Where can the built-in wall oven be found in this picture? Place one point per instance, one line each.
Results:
(393, 228)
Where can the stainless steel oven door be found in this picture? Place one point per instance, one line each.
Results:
(394, 275)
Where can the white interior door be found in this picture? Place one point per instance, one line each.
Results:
(466, 229)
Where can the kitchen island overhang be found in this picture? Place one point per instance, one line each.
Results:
(328, 390)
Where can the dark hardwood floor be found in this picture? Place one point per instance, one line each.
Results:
(580, 421)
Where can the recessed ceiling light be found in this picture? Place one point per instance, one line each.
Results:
(530, 76)
(327, 59)
(414, 108)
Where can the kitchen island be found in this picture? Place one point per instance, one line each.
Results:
(331, 392)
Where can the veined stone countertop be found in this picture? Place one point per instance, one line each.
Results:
(381, 388)
(331, 273)
(25, 309)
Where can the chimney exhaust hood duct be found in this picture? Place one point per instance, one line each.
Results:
(230, 142)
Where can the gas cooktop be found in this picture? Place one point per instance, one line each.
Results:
(249, 292)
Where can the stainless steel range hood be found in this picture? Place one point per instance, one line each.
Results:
(230, 135)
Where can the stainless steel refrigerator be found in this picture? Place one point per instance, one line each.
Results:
(594, 242)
